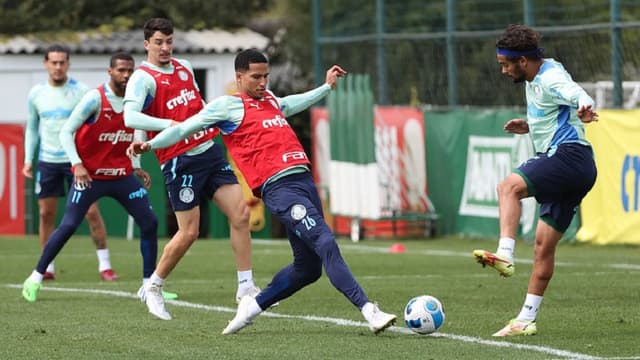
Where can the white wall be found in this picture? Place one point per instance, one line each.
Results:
(19, 73)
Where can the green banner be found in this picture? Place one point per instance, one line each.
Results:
(352, 144)
(468, 154)
(352, 130)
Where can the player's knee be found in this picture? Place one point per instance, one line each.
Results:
(46, 214)
(503, 188)
(512, 185)
(327, 246)
(93, 215)
(150, 224)
(311, 274)
(189, 235)
(240, 217)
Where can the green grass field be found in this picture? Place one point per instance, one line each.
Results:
(591, 309)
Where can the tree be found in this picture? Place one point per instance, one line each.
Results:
(30, 16)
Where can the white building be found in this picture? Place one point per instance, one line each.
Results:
(211, 52)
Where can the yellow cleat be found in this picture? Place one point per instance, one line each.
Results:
(503, 265)
(517, 327)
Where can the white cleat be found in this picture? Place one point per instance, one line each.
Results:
(377, 319)
(151, 295)
(242, 319)
(252, 291)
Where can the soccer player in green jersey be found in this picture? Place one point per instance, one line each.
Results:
(50, 104)
(560, 174)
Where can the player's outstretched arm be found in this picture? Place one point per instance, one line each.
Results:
(293, 104)
(333, 74)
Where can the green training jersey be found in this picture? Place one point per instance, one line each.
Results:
(49, 109)
(552, 100)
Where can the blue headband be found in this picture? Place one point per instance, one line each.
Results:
(518, 53)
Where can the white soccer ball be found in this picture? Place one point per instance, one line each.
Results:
(424, 314)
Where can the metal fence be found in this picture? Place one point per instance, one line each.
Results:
(442, 52)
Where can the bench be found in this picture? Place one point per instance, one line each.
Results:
(398, 224)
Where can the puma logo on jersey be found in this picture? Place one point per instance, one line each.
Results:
(165, 82)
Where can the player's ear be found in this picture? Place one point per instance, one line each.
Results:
(238, 79)
(523, 60)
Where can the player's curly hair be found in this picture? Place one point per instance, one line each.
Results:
(521, 38)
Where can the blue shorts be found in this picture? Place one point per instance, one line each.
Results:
(188, 178)
(559, 179)
(294, 200)
(128, 191)
(53, 179)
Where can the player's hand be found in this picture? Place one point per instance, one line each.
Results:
(333, 74)
(516, 126)
(587, 114)
(144, 176)
(138, 147)
(81, 176)
(27, 171)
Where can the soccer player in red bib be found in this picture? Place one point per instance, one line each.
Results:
(267, 151)
(96, 140)
(50, 104)
(163, 91)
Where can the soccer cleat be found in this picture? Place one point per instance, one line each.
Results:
(30, 290)
(252, 291)
(108, 275)
(165, 294)
(169, 295)
(377, 319)
(503, 265)
(241, 320)
(517, 327)
(49, 276)
(151, 295)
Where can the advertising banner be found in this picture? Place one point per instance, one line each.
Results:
(399, 176)
(611, 211)
(468, 155)
(401, 159)
(11, 179)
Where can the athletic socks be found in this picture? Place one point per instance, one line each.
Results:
(36, 277)
(154, 279)
(245, 279)
(506, 247)
(104, 262)
(530, 308)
